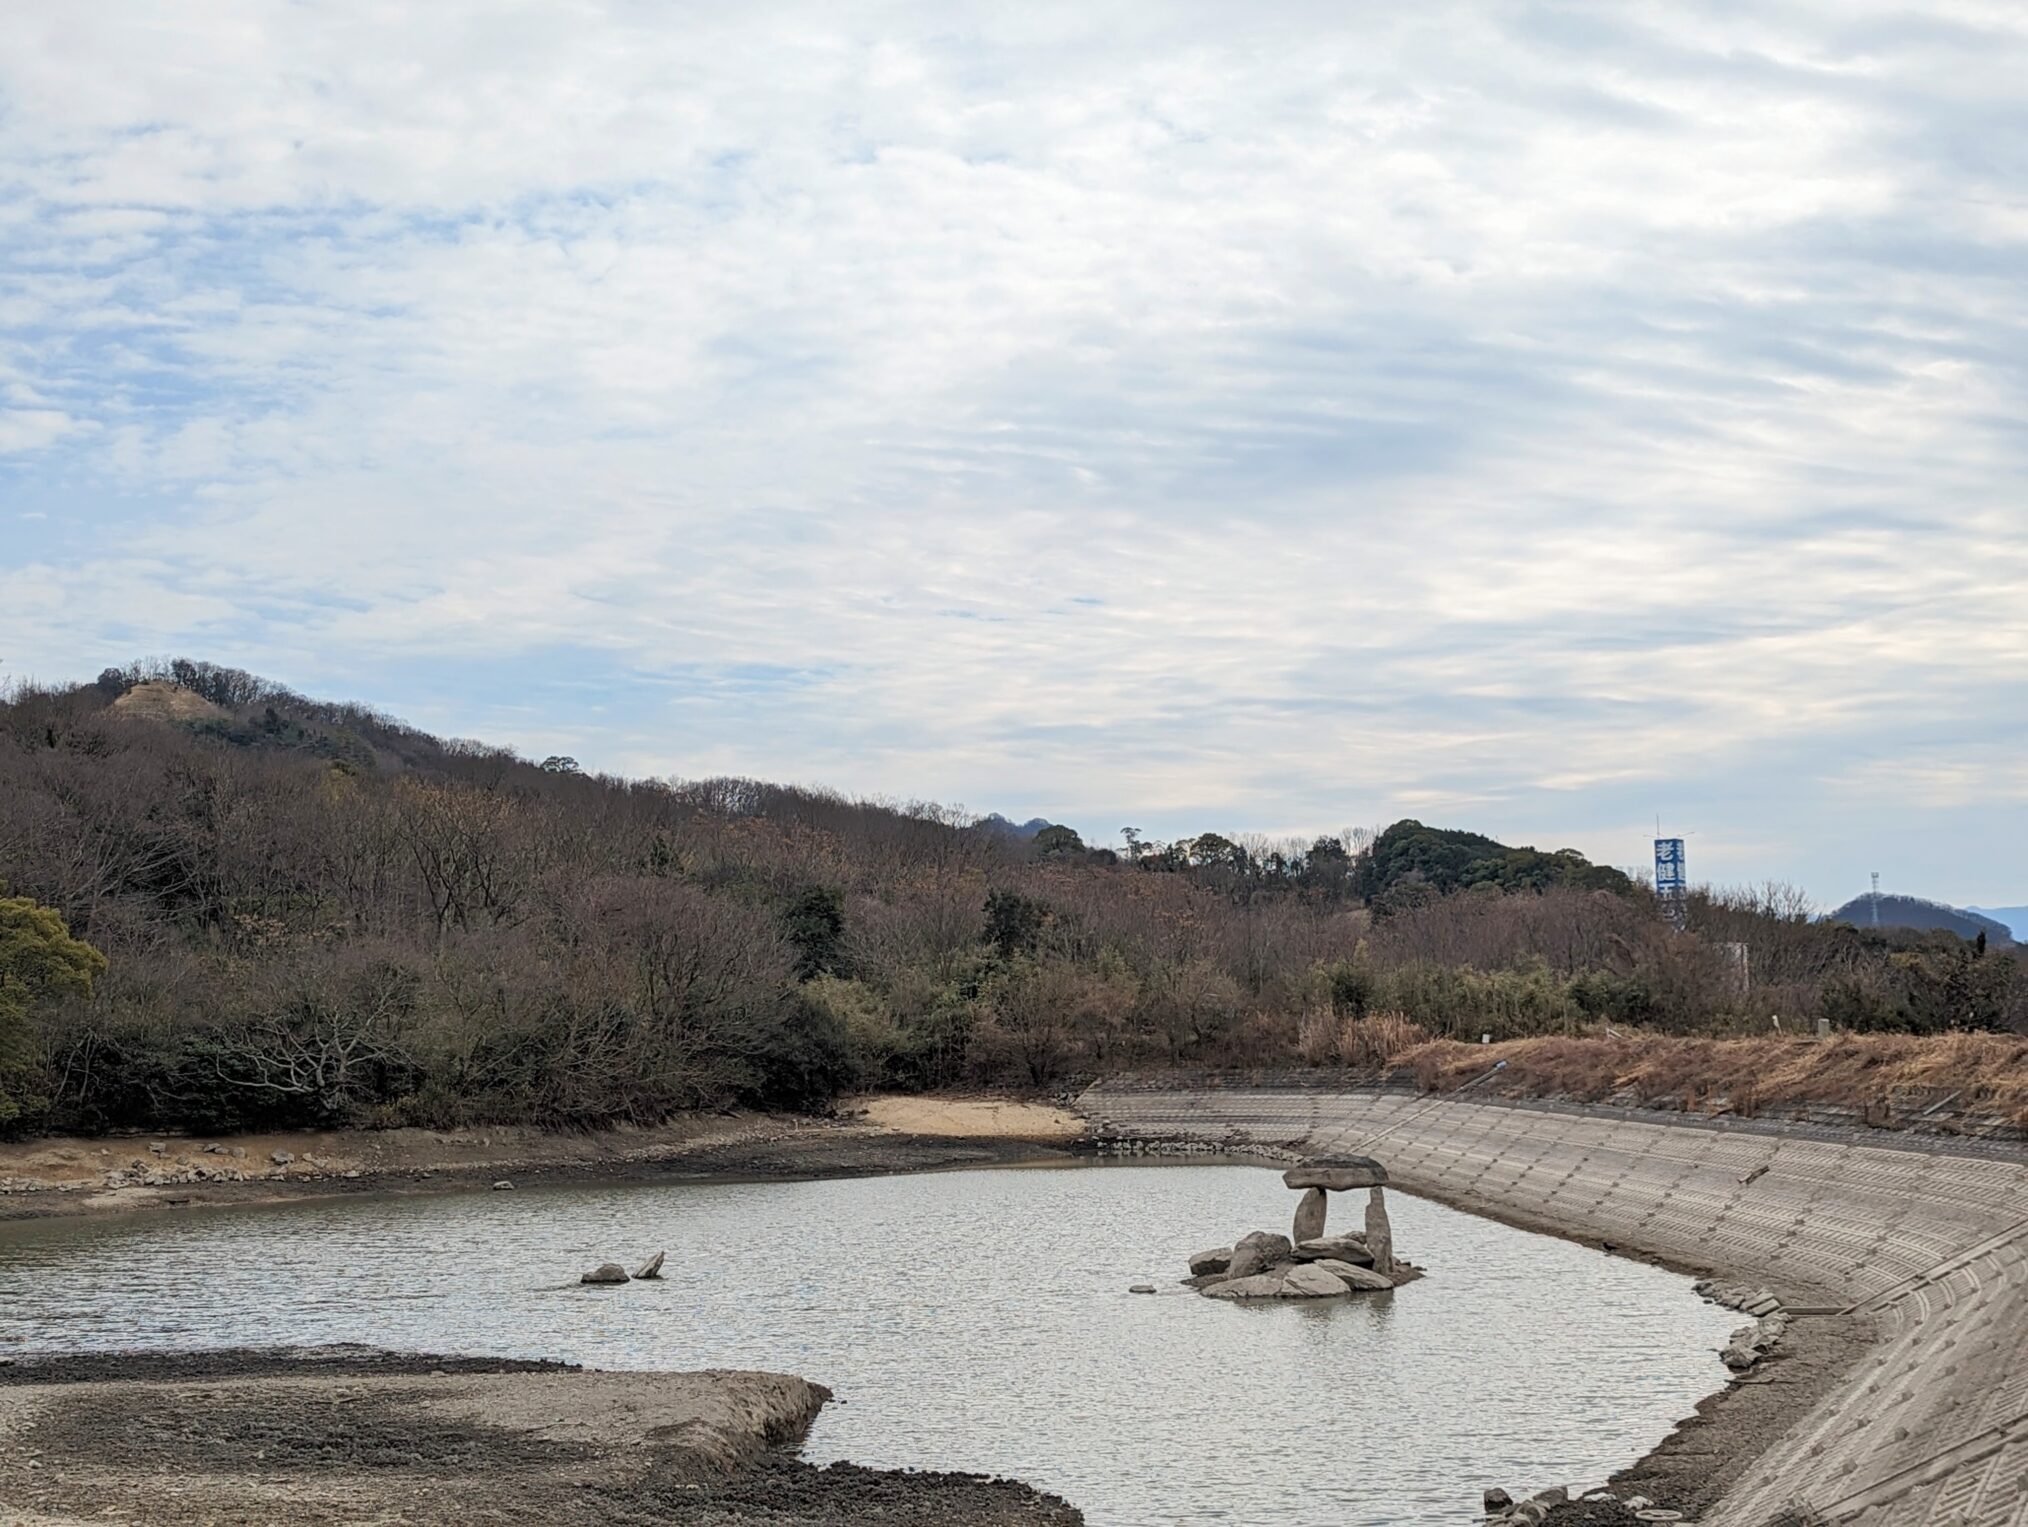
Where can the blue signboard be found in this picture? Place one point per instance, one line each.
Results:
(1669, 881)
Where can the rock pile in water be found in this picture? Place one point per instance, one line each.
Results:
(1310, 1264)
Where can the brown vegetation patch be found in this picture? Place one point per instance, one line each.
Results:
(1981, 1074)
(161, 700)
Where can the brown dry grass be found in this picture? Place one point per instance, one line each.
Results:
(1987, 1072)
(1332, 1039)
(160, 700)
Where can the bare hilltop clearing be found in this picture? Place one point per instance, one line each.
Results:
(162, 700)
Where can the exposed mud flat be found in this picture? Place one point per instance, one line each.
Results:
(349, 1435)
(60, 1177)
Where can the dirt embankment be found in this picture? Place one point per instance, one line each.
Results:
(59, 1176)
(1957, 1084)
(350, 1435)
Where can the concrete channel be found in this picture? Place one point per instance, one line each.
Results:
(1929, 1239)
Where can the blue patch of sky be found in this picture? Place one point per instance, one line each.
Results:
(80, 517)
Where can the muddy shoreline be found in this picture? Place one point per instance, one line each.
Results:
(328, 1435)
(755, 1148)
(1690, 1468)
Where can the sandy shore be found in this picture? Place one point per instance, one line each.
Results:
(350, 1435)
(65, 1176)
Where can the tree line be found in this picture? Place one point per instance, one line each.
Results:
(270, 911)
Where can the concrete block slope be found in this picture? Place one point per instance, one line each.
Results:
(1931, 1430)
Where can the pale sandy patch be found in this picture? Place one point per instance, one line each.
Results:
(971, 1118)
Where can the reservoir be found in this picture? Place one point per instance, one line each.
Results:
(972, 1320)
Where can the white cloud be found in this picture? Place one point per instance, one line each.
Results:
(1520, 414)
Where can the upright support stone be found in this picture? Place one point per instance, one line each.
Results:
(1379, 1234)
(1310, 1216)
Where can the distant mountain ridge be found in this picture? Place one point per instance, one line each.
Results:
(1890, 911)
(994, 822)
(2015, 918)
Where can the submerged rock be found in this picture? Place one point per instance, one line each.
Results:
(605, 1272)
(1256, 1286)
(1215, 1261)
(1311, 1280)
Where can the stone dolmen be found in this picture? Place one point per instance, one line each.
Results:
(1311, 1264)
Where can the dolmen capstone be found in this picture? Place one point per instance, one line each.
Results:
(1310, 1264)
(1336, 1174)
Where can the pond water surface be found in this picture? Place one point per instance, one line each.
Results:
(974, 1320)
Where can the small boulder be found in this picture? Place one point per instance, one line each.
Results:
(503, 1186)
(1497, 1500)
(282, 1158)
(1216, 1261)
(652, 1268)
(1312, 1280)
(1142, 1288)
(605, 1272)
(1362, 1278)
(1257, 1252)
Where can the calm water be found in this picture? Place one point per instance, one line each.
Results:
(973, 1320)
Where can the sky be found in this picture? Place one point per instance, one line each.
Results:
(1537, 418)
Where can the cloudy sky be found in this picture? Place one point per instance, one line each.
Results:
(1287, 417)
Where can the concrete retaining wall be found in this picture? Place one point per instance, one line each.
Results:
(1932, 1429)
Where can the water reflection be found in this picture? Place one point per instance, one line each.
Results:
(974, 1320)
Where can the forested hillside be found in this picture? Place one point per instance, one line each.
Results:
(228, 905)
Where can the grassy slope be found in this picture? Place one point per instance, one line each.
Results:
(1977, 1074)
